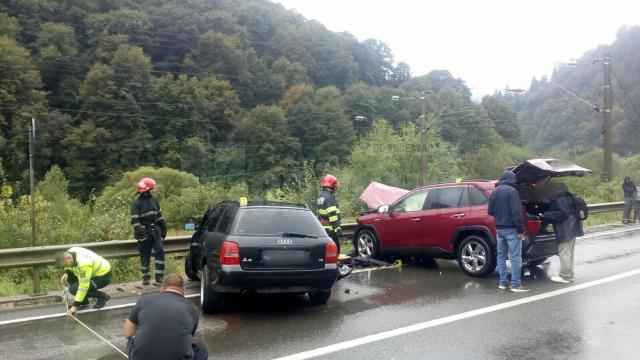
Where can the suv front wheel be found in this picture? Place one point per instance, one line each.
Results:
(475, 256)
(366, 244)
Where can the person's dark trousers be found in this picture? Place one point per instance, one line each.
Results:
(336, 239)
(200, 351)
(96, 283)
(629, 203)
(152, 242)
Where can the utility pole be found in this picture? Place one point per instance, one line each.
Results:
(423, 138)
(607, 127)
(32, 136)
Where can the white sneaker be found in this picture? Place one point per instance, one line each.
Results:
(560, 280)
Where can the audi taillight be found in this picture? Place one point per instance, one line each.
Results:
(331, 253)
(230, 253)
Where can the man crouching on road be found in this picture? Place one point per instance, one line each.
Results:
(162, 325)
(505, 207)
(86, 272)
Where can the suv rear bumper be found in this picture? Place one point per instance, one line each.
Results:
(542, 246)
(233, 279)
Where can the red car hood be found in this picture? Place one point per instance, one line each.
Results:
(377, 194)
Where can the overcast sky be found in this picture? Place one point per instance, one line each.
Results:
(488, 43)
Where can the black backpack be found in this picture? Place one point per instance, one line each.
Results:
(582, 210)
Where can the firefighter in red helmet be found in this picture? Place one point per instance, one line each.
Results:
(149, 229)
(329, 213)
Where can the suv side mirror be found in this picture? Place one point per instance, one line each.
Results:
(191, 226)
(384, 209)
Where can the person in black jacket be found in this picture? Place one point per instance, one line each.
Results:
(506, 208)
(629, 189)
(567, 226)
(149, 229)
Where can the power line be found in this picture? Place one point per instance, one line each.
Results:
(626, 94)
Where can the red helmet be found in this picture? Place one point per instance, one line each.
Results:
(146, 184)
(330, 181)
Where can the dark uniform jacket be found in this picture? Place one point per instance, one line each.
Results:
(329, 213)
(146, 218)
(563, 215)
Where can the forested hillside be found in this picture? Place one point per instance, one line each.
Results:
(550, 118)
(228, 90)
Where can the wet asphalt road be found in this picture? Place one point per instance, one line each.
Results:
(593, 323)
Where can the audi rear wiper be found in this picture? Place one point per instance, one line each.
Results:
(290, 234)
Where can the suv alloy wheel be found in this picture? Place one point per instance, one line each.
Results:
(475, 256)
(366, 244)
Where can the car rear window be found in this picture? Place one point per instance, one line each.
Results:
(268, 221)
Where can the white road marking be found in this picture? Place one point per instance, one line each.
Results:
(452, 318)
(610, 232)
(50, 316)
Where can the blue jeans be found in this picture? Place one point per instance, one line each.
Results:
(508, 241)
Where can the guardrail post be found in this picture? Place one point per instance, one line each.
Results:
(36, 280)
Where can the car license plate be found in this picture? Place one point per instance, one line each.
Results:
(285, 257)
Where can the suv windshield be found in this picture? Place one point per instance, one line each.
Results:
(269, 221)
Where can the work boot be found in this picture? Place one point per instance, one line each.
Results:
(158, 281)
(101, 300)
(84, 303)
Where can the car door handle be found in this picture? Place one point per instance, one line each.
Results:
(458, 216)
(415, 219)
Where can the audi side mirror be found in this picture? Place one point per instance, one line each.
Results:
(384, 209)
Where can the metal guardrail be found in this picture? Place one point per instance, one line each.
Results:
(44, 255)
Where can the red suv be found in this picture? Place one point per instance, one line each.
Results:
(450, 221)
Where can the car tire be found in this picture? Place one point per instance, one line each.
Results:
(475, 256)
(319, 297)
(189, 270)
(210, 300)
(366, 244)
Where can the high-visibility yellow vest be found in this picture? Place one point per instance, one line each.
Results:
(86, 265)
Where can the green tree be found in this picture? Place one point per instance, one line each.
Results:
(9, 26)
(503, 117)
(57, 56)
(20, 100)
(272, 152)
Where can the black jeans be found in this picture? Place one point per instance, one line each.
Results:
(97, 282)
(152, 242)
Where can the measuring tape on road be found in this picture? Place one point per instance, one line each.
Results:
(98, 335)
(66, 304)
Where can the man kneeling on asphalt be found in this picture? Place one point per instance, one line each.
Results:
(563, 214)
(86, 272)
(506, 208)
(162, 325)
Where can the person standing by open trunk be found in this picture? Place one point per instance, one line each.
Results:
(629, 189)
(563, 214)
(149, 229)
(506, 208)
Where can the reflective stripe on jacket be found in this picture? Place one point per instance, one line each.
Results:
(86, 264)
(146, 211)
(329, 213)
